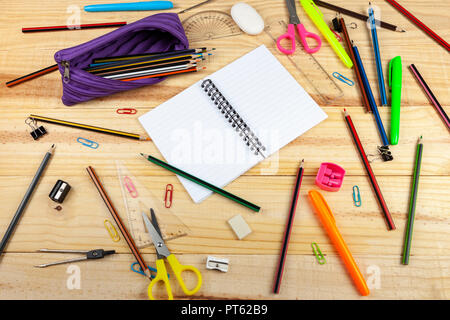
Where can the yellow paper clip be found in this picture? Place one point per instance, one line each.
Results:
(318, 253)
(111, 230)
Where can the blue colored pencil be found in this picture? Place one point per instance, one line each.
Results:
(376, 50)
(369, 93)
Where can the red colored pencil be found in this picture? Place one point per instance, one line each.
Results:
(287, 232)
(32, 75)
(373, 180)
(420, 24)
(75, 27)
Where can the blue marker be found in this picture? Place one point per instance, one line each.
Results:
(376, 50)
(131, 6)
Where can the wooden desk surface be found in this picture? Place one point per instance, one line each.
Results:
(79, 225)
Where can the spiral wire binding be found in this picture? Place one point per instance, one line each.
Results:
(233, 117)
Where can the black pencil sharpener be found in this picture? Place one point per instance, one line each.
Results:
(59, 191)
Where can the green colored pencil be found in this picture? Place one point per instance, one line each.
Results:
(201, 182)
(412, 203)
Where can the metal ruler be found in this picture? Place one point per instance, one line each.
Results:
(139, 199)
(208, 25)
(307, 65)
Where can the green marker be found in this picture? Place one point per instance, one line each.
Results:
(395, 83)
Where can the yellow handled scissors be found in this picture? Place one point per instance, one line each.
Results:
(161, 253)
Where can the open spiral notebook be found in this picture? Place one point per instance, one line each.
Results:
(225, 124)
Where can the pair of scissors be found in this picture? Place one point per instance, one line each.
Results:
(163, 252)
(294, 21)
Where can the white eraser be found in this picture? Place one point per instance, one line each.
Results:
(247, 18)
(239, 226)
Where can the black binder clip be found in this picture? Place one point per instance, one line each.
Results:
(59, 191)
(37, 131)
(336, 25)
(383, 154)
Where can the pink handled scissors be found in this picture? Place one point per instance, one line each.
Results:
(290, 34)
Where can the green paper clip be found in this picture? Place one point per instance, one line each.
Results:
(318, 253)
(356, 196)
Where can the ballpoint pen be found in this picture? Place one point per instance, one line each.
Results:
(130, 6)
(376, 50)
(395, 83)
(325, 215)
(317, 17)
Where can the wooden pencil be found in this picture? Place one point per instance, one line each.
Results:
(287, 232)
(355, 65)
(372, 178)
(430, 95)
(26, 199)
(88, 127)
(137, 56)
(32, 75)
(129, 240)
(75, 27)
(149, 71)
(201, 182)
(195, 69)
(412, 203)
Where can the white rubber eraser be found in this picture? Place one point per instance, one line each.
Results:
(239, 226)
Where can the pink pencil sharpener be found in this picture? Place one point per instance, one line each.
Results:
(330, 176)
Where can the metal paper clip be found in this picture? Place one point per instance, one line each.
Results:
(111, 230)
(37, 131)
(88, 143)
(126, 111)
(342, 78)
(169, 195)
(133, 268)
(383, 154)
(220, 264)
(318, 253)
(356, 196)
(130, 187)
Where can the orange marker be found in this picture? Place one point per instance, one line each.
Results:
(326, 218)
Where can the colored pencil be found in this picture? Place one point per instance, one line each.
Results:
(376, 50)
(412, 203)
(201, 182)
(430, 95)
(373, 180)
(355, 65)
(369, 92)
(141, 61)
(148, 70)
(32, 75)
(137, 56)
(148, 67)
(356, 15)
(129, 240)
(23, 204)
(75, 27)
(420, 24)
(88, 127)
(287, 232)
(195, 69)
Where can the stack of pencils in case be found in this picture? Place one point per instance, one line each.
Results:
(149, 65)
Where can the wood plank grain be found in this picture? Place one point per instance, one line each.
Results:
(81, 219)
(304, 278)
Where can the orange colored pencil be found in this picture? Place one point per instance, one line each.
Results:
(32, 75)
(195, 69)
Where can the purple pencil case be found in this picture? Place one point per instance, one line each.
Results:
(157, 33)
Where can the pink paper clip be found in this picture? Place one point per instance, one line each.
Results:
(130, 187)
(169, 195)
(126, 111)
(336, 34)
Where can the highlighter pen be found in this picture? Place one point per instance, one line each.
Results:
(325, 215)
(395, 83)
(317, 17)
(130, 6)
